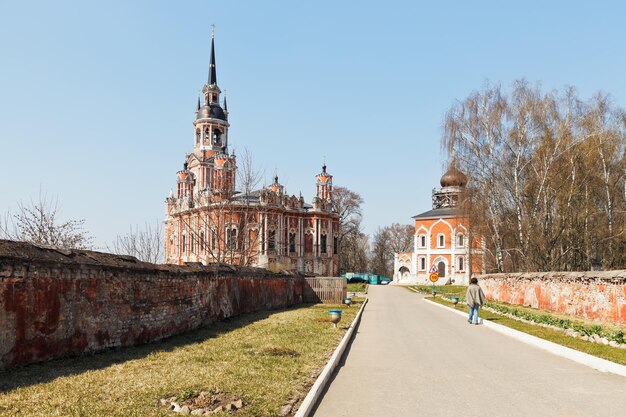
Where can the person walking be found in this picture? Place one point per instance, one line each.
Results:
(475, 298)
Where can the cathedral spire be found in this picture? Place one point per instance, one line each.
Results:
(212, 72)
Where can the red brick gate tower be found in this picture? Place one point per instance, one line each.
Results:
(442, 239)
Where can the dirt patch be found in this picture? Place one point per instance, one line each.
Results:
(203, 403)
(280, 351)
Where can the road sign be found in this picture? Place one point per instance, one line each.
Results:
(434, 277)
(433, 269)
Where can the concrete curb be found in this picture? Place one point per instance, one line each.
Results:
(594, 362)
(320, 383)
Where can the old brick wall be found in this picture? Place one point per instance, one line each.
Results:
(62, 303)
(593, 295)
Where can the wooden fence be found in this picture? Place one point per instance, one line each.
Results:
(328, 290)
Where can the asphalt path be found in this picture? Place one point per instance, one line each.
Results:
(411, 358)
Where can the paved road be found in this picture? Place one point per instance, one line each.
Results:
(410, 358)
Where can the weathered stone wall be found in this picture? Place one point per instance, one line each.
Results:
(62, 303)
(594, 295)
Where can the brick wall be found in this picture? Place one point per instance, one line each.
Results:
(597, 296)
(63, 303)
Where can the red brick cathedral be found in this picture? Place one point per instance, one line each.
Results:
(208, 220)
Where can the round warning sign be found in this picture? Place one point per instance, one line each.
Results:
(434, 277)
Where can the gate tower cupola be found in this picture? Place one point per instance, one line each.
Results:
(452, 184)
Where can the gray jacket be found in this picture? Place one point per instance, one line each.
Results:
(475, 295)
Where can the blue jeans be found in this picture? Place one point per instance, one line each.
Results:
(473, 314)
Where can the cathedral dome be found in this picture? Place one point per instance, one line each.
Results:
(453, 178)
(212, 111)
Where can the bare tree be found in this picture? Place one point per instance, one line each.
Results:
(144, 244)
(545, 172)
(38, 222)
(352, 250)
(388, 240)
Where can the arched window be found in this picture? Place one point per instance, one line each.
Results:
(423, 263)
(461, 263)
(206, 134)
(202, 241)
(460, 240)
(198, 136)
(422, 241)
(441, 269)
(323, 244)
(184, 243)
(441, 240)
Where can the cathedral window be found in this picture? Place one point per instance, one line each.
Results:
(423, 263)
(201, 241)
(206, 134)
(460, 240)
(335, 245)
(184, 243)
(308, 243)
(323, 244)
(422, 241)
(441, 240)
(197, 136)
(231, 239)
(192, 244)
(271, 240)
(292, 242)
(461, 263)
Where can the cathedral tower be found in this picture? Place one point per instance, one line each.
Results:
(212, 166)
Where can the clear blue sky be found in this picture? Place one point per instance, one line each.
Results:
(97, 98)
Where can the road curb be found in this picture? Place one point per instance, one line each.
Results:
(582, 358)
(320, 383)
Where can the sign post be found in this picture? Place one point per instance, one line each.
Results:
(434, 276)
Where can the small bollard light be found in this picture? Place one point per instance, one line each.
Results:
(347, 301)
(455, 300)
(335, 317)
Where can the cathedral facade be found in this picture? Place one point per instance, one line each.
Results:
(208, 220)
(442, 243)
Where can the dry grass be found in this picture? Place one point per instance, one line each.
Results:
(268, 359)
(610, 353)
(357, 287)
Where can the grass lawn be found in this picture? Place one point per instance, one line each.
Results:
(268, 359)
(357, 287)
(613, 354)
